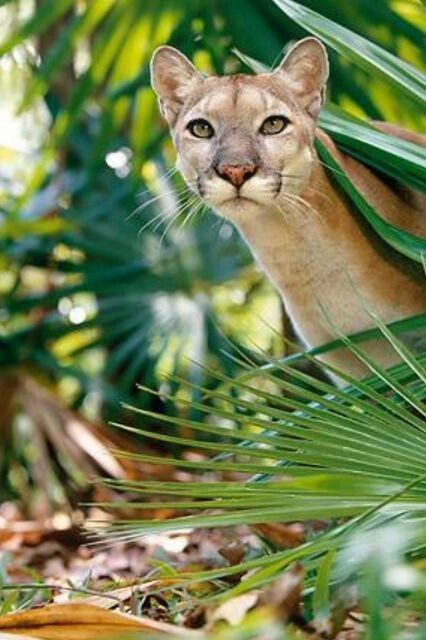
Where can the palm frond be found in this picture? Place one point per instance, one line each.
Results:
(351, 453)
(357, 49)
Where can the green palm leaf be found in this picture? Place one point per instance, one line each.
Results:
(395, 157)
(412, 246)
(357, 49)
(350, 453)
(48, 12)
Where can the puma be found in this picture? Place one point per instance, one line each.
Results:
(245, 145)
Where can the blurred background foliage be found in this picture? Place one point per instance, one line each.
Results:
(101, 286)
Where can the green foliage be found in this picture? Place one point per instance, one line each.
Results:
(91, 255)
(97, 297)
(304, 424)
(351, 457)
(398, 158)
(358, 50)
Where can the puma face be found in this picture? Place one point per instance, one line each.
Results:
(243, 141)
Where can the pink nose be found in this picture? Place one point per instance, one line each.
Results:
(236, 174)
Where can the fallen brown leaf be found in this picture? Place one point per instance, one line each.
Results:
(284, 594)
(80, 622)
(121, 594)
(13, 636)
(233, 552)
(281, 535)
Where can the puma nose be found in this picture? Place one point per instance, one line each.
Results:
(236, 174)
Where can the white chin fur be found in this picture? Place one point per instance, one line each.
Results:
(235, 209)
(223, 195)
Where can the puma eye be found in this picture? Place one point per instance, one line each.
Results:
(200, 128)
(273, 125)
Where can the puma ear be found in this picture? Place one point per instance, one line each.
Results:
(172, 77)
(305, 67)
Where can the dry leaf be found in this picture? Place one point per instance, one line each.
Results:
(234, 610)
(233, 552)
(284, 594)
(121, 594)
(281, 535)
(14, 636)
(196, 618)
(77, 621)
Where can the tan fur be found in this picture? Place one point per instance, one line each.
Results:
(325, 261)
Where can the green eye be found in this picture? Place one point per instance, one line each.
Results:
(273, 125)
(201, 128)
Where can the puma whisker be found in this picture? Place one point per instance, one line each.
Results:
(245, 146)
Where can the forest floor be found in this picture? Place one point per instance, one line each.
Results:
(52, 562)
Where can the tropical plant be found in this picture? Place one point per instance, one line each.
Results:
(93, 77)
(351, 457)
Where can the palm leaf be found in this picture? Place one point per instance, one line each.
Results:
(397, 326)
(395, 157)
(359, 50)
(412, 246)
(307, 424)
(48, 12)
